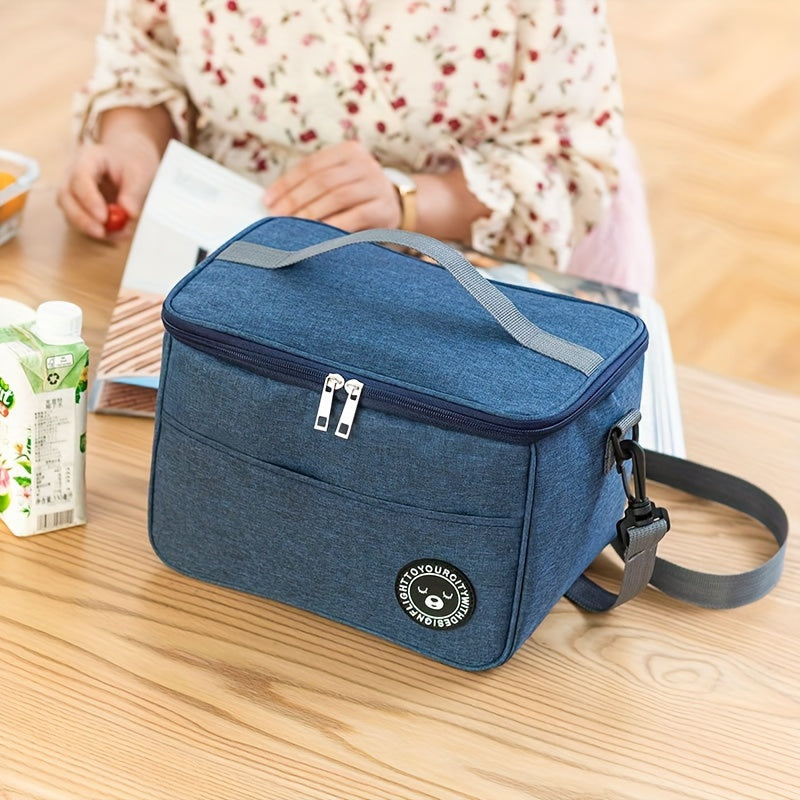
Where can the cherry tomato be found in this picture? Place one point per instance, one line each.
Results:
(117, 218)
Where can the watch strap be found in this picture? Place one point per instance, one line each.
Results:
(407, 194)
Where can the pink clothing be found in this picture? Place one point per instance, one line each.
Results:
(619, 250)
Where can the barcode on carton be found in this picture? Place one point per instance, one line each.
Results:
(58, 519)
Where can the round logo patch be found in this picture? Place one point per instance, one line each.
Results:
(435, 594)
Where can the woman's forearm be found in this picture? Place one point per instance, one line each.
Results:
(153, 125)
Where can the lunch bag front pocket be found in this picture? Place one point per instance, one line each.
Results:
(442, 583)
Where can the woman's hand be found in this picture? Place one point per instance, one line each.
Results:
(100, 174)
(342, 185)
(118, 169)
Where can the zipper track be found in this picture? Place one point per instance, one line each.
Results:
(381, 396)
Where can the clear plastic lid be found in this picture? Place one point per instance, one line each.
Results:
(58, 322)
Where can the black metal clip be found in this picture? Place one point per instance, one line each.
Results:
(641, 513)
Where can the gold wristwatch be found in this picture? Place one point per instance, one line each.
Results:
(407, 192)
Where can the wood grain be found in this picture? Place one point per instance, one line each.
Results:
(121, 679)
(109, 661)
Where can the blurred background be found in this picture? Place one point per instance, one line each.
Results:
(712, 96)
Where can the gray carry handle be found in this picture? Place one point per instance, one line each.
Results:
(489, 296)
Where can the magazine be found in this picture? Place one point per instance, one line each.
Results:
(195, 205)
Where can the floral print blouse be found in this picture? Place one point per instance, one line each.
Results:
(523, 94)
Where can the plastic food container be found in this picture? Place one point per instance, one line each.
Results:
(17, 174)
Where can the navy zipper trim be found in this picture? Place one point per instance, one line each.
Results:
(386, 397)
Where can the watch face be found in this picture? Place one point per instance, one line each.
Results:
(403, 182)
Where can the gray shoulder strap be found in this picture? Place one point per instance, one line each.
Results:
(642, 566)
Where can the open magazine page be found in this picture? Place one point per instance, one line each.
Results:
(661, 428)
(194, 206)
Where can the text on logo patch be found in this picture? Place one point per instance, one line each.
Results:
(435, 594)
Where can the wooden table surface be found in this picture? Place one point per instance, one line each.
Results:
(122, 679)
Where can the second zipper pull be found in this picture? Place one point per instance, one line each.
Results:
(353, 389)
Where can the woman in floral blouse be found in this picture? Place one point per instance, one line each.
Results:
(506, 114)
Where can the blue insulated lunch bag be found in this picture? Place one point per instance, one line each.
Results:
(398, 445)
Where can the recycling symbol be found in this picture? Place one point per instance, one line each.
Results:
(52, 378)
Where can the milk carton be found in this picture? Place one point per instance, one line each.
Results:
(44, 367)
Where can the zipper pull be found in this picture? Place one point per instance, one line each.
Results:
(353, 389)
(333, 382)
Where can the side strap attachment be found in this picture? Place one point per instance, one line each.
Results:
(639, 531)
(642, 527)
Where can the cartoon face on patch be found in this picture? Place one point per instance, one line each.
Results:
(435, 594)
